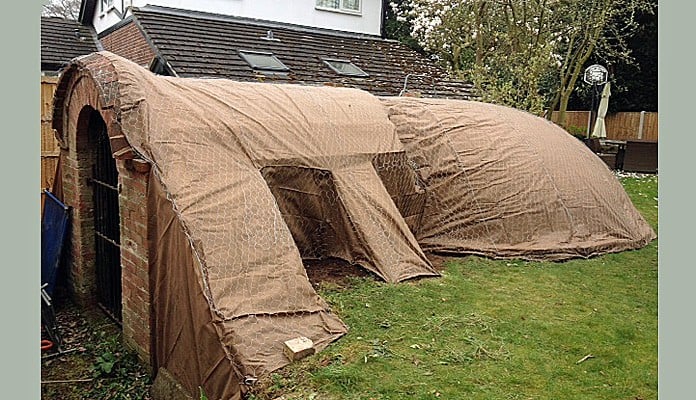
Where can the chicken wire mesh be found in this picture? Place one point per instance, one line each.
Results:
(261, 176)
(507, 184)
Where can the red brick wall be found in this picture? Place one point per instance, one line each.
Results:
(78, 155)
(129, 42)
(75, 172)
(135, 277)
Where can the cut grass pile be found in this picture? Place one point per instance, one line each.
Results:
(582, 329)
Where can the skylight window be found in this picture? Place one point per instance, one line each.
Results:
(263, 61)
(351, 6)
(344, 67)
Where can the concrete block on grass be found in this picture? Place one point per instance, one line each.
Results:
(298, 348)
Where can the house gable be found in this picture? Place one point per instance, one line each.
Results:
(128, 41)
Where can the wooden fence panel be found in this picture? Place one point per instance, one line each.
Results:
(575, 120)
(650, 126)
(49, 145)
(620, 126)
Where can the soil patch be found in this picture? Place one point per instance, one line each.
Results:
(339, 272)
(93, 363)
(334, 271)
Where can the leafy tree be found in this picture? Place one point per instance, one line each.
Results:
(68, 9)
(638, 80)
(398, 28)
(634, 81)
(504, 47)
(587, 26)
(524, 53)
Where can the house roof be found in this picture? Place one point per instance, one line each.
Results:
(198, 44)
(64, 39)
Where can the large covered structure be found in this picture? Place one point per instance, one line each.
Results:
(506, 184)
(222, 188)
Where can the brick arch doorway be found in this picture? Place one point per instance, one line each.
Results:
(106, 219)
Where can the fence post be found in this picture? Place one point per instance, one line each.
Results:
(641, 124)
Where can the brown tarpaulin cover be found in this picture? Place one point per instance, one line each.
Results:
(505, 183)
(185, 331)
(249, 178)
(243, 167)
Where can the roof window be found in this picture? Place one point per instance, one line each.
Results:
(263, 61)
(344, 67)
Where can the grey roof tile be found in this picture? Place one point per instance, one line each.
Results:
(198, 44)
(62, 40)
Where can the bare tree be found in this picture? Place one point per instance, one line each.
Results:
(69, 9)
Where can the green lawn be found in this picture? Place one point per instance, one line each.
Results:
(583, 329)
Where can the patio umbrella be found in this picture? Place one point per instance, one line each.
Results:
(600, 130)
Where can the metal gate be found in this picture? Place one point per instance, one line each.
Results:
(106, 222)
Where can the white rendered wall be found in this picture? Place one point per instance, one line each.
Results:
(299, 12)
(106, 18)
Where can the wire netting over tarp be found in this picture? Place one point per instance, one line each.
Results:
(507, 184)
(250, 170)
(250, 178)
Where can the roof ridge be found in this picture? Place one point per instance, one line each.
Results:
(55, 18)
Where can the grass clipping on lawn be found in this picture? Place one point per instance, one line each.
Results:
(494, 330)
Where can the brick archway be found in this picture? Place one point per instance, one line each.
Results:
(83, 98)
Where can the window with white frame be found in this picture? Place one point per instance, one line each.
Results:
(352, 6)
(106, 5)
